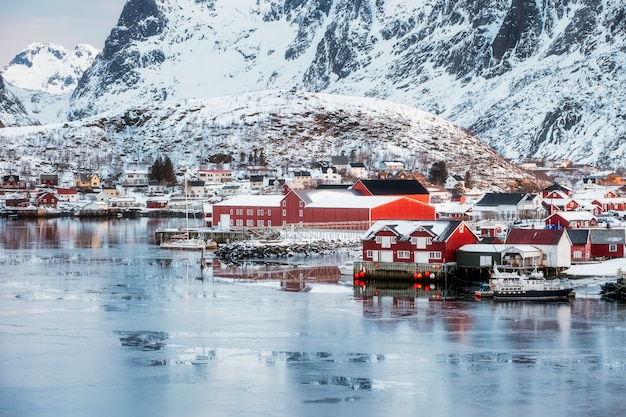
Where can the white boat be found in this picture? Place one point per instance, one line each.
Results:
(183, 241)
(511, 286)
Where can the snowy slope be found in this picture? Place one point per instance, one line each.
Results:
(291, 128)
(541, 79)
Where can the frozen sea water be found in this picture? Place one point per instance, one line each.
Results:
(96, 320)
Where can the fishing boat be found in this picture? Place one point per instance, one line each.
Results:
(512, 286)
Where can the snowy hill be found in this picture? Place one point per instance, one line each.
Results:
(291, 128)
(541, 79)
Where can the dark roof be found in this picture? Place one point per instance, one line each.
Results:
(608, 236)
(498, 199)
(339, 160)
(556, 187)
(333, 186)
(534, 236)
(394, 187)
(357, 165)
(578, 236)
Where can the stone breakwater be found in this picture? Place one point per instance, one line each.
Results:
(237, 252)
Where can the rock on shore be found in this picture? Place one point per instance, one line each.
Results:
(240, 251)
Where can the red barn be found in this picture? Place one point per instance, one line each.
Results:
(317, 206)
(408, 241)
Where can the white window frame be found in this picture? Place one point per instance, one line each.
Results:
(434, 255)
(404, 254)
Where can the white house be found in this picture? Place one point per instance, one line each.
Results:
(136, 177)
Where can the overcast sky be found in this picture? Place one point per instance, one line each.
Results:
(65, 22)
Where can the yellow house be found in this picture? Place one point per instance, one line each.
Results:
(87, 181)
(611, 179)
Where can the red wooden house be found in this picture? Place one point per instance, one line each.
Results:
(330, 206)
(156, 204)
(581, 245)
(610, 203)
(571, 220)
(607, 243)
(556, 191)
(416, 241)
(47, 200)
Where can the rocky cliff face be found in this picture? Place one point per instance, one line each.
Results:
(531, 79)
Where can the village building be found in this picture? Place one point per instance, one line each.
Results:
(607, 243)
(454, 182)
(13, 182)
(571, 220)
(581, 245)
(84, 180)
(340, 162)
(553, 243)
(508, 206)
(335, 207)
(215, 175)
(610, 203)
(406, 188)
(67, 195)
(49, 180)
(483, 255)
(557, 191)
(357, 170)
(416, 241)
(47, 200)
(136, 177)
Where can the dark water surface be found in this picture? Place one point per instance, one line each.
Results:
(96, 320)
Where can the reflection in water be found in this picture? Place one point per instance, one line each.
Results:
(96, 320)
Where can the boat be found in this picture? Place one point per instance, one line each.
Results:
(533, 286)
(484, 291)
(184, 241)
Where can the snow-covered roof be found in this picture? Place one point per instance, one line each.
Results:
(253, 200)
(439, 229)
(574, 215)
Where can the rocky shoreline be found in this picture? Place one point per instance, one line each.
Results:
(240, 251)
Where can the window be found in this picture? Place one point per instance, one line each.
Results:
(612, 247)
(434, 255)
(300, 213)
(578, 254)
(269, 212)
(231, 212)
(404, 254)
(284, 203)
(379, 239)
(284, 214)
(421, 242)
(369, 254)
(301, 203)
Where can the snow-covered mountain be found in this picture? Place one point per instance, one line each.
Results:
(291, 128)
(49, 68)
(41, 78)
(11, 109)
(542, 79)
